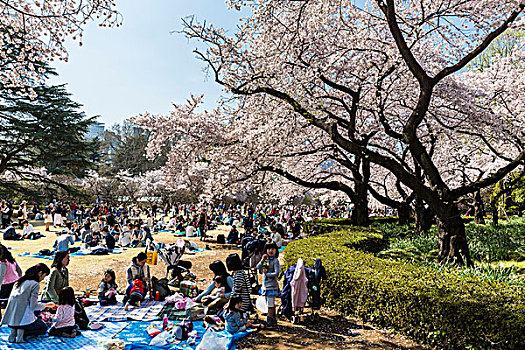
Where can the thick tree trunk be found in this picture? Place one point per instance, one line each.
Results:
(479, 209)
(495, 215)
(360, 213)
(403, 211)
(424, 217)
(452, 238)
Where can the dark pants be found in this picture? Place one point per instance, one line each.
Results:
(57, 332)
(33, 329)
(5, 290)
(135, 298)
(5, 221)
(107, 301)
(34, 235)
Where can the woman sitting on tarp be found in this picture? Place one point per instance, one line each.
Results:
(137, 272)
(58, 278)
(219, 270)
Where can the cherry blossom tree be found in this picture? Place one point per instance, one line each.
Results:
(381, 80)
(35, 31)
(214, 151)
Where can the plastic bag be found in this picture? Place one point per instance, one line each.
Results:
(190, 303)
(164, 338)
(261, 305)
(211, 341)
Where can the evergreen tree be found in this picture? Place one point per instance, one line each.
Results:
(127, 144)
(46, 130)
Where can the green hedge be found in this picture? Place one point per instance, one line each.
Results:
(328, 225)
(435, 307)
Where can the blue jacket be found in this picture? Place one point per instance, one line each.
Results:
(270, 277)
(234, 322)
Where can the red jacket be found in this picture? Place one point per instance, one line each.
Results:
(137, 287)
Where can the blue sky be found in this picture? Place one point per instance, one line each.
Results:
(141, 66)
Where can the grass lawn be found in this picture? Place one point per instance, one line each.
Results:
(87, 271)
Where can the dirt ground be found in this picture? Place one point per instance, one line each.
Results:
(331, 331)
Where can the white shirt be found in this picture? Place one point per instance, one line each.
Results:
(190, 231)
(276, 238)
(125, 238)
(95, 226)
(27, 229)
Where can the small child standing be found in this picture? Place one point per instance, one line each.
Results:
(234, 320)
(269, 266)
(64, 320)
(217, 293)
(107, 290)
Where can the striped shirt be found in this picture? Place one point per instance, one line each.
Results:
(241, 287)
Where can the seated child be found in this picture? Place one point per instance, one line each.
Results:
(136, 294)
(217, 292)
(235, 322)
(107, 290)
(64, 320)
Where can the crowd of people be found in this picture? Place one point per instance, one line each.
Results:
(103, 226)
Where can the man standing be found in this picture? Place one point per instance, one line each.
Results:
(4, 213)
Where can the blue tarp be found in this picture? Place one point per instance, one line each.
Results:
(132, 332)
(138, 338)
(87, 341)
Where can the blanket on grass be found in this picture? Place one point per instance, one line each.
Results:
(87, 341)
(193, 251)
(148, 311)
(137, 338)
(51, 257)
(172, 313)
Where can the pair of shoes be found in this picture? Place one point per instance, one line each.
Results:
(209, 320)
(270, 321)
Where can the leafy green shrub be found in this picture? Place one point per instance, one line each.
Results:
(449, 310)
(486, 242)
(328, 225)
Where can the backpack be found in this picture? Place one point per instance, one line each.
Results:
(81, 318)
(220, 239)
(45, 252)
(100, 251)
(161, 286)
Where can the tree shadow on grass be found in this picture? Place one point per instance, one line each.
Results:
(329, 332)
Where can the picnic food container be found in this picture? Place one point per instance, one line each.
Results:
(189, 289)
